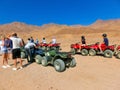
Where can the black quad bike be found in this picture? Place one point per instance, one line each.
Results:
(32, 54)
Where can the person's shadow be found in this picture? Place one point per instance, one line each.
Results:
(25, 65)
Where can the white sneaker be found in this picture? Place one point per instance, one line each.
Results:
(4, 66)
(21, 67)
(8, 66)
(14, 69)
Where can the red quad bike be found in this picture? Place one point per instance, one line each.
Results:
(78, 48)
(117, 52)
(55, 46)
(107, 51)
(43, 46)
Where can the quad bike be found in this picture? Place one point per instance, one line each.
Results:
(75, 48)
(78, 48)
(48, 46)
(107, 51)
(55, 46)
(43, 46)
(60, 60)
(117, 52)
(32, 54)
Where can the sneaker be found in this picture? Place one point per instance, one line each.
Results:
(8, 66)
(21, 67)
(14, 69)
(4, 66)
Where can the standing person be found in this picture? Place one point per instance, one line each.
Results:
(4, 53)
(105, 41)
(30, 48)
(9, 46)
(16, 53)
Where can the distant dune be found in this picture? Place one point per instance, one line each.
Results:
(112, 27)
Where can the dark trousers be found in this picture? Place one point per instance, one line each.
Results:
(30, 52)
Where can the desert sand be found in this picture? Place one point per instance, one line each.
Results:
(90, 73)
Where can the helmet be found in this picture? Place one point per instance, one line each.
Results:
(104, 35)
(82, 36)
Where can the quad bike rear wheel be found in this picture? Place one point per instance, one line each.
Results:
(73, 63)
(38, 59)
(92, 52)
(84, 52)
(118, 55)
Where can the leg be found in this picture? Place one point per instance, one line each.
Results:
(100, 47)
(3, 59)
(6, 58)
(14, 57)
(15, 63)
(20, 60)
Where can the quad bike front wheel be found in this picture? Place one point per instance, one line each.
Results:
(59, 65)
(73, 51)
(108, 53)
(118, 55)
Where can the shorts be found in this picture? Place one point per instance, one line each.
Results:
(4, 51)
(9, 50)
(16, 53)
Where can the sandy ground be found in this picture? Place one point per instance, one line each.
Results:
(90, 73)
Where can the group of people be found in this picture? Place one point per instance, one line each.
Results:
(10, 47)
(53, 40)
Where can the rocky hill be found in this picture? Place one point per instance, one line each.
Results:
(112, 27)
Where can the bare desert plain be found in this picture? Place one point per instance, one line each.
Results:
(90, 73)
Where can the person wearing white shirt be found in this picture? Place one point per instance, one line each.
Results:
(43, 40)
(16, 53)
(30, 44)
(53, 41)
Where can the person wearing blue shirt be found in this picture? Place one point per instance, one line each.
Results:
(105, 39)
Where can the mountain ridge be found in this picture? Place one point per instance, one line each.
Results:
(49, 30)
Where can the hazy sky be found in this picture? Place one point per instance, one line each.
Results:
(70, 12)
